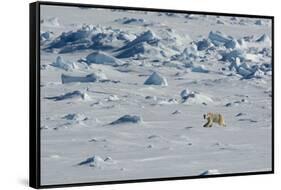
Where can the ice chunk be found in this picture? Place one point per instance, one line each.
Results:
(62, 64)
(218, 38)
(75, 117)
(185, 94)
(137, 49)
(77, 95)
(127, 119)
(113, 98)
(200, 69)
(126, 20)
(242, 42)
(254, 73)
(168, 102)
(45, 36)
(232, 55)
(93, 77)
(244, 72)
(176, 112)
(232, 44)
(191, 51)
(147, 36)
(203, 44)
(259, 22)
(196, 98)
(210, 172)
(156, 79)
(146, 43)
(264, 39)
(95, 161)
(108, 159)
(50, 22)
(99, 57)
(235, 64)
(90, 37)
(219, 22)
(248, 72)
(188, 55)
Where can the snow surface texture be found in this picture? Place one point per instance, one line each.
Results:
(123, 95)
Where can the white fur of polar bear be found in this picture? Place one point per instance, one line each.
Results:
(214, 118)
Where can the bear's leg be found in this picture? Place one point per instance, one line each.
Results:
(206, 124)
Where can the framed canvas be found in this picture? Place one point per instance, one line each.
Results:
(126, 94)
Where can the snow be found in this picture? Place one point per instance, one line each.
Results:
(124, 94)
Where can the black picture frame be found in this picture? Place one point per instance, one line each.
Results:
(34, 93)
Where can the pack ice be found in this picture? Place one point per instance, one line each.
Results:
(128, 90)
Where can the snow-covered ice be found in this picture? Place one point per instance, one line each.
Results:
(123, 94)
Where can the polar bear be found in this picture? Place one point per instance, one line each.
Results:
(214, 118)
